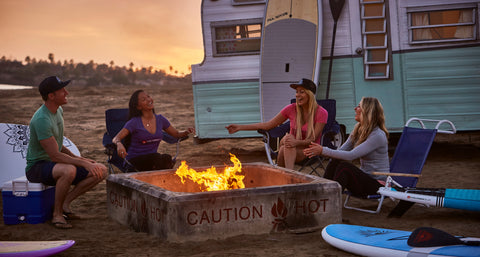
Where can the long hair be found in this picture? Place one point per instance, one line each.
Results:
(372, 116)
(133, 111)
(311, 110)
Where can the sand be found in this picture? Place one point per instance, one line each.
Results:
(454, 162)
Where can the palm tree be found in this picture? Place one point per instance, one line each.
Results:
(51, 58)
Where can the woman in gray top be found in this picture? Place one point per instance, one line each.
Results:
(369, 142)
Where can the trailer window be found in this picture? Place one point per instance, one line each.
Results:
(442, 25)
(236, 39)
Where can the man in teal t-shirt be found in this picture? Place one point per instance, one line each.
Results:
(51, 163)
(43, 125)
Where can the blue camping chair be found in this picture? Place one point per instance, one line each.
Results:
(408, 160)
(115, 120)
(333, 137)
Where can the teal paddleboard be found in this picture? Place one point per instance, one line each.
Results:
(370, 241)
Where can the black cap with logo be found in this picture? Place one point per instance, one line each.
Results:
(307, 84)
(51, 84)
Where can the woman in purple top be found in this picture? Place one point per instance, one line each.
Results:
(145, 130)
(305, 113)
(368, 142)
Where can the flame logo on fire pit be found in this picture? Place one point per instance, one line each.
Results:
(279, 211)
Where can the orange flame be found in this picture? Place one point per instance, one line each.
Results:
(211, 179)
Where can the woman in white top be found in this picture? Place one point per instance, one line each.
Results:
(369, 142)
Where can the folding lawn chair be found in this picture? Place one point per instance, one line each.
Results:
(332, 137)
(408, 160)
(115, 120)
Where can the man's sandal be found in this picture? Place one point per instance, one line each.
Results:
(62, 225)
(70, 216)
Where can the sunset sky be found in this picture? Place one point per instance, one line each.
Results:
(157, 33)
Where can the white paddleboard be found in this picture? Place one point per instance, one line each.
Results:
(290, 51)
(33, 248)
(370, 241)
(13, 150)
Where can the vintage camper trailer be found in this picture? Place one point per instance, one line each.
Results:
(420, 58)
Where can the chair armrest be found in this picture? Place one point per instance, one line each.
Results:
(172, 140)
(263, 132)
(183, 138)
(278, 131)
(107, 139)
(110, 149)
(451, 130)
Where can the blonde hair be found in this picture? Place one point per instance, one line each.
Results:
(312, 108)
(372, 116)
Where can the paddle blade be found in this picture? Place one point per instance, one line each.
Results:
(400, 209)
(336, 7)
(430, 237)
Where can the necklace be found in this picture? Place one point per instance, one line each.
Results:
(148, 122)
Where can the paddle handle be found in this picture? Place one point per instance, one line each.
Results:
(391, 174)
(336, 7)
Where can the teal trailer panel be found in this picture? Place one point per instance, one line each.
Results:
(348, 86)
(218, 104)
(431, 84)
(444, 84)
(342, 87)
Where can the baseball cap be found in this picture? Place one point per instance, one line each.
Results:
(307, 84)
(51, 84)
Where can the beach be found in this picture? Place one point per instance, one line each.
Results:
(453, 162)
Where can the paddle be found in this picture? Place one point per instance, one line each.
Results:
(336, 7)
(431, 237)
(402, 207)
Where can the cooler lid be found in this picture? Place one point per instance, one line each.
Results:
(22, 184)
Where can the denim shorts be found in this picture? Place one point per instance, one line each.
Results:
(41, 172)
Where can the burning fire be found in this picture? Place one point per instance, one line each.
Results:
(211, 179)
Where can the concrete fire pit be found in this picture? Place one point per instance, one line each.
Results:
(274, 200)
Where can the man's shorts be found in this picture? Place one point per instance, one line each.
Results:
(41, 172)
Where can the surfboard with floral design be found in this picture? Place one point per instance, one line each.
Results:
(14, 140)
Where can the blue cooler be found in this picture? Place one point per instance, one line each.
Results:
(26, 202)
